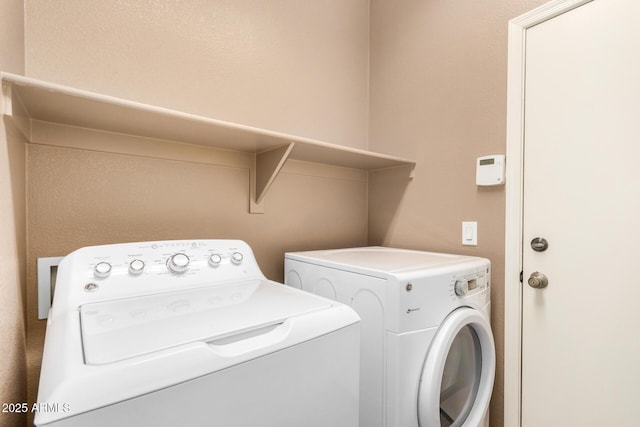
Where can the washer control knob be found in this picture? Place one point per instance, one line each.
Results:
(136, 266)
(178, 263)
(461, 287)
(237, 258)
(102, 269)
(215, 260)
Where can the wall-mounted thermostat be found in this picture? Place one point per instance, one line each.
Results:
(490, 170)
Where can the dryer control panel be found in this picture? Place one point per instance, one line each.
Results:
(99, 273)
(423, 300)
(470, 284)
(471, 289)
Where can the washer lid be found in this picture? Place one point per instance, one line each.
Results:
(120, 329)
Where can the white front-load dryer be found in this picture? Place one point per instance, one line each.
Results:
(427, 350)
(172, 333)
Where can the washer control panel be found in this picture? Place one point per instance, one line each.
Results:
(125, 270)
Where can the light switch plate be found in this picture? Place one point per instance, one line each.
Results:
(470, 233)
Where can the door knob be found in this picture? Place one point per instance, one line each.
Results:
(538, 280)
(539, 244)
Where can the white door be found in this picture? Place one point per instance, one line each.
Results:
(458, 372)
(580, 336)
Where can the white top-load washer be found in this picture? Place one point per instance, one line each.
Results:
(190, 332)
(427, 355)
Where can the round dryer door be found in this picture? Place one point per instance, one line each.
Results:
(458, 373)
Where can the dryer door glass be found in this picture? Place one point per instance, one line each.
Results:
(460, 378)
(458, 372)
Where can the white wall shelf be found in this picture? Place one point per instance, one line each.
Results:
(29, 101)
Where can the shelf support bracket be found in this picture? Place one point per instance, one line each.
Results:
(6, 98)
(13, 107)
(267, 166)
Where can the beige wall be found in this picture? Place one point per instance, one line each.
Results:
(297, 67)
(12, 226)
(12, 271)
(438, 96)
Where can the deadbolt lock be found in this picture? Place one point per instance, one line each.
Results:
(539, 244)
